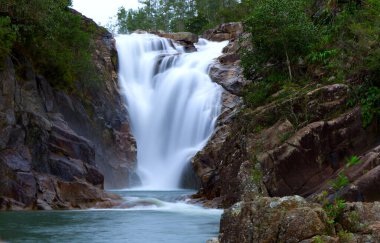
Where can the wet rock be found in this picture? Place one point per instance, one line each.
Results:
(185, 39)
(80, 194)
(229, 76)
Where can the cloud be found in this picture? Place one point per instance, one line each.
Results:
(102, 10)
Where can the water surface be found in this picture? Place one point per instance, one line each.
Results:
(163, 217)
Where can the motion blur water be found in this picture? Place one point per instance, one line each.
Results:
(172, 103)
(163, 217)
(173, 106)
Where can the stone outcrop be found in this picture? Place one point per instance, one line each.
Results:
(57, 147)
(185, 39)
(292, 219)
(227, 31)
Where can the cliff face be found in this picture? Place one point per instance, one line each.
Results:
(309, 143)
(56, 147)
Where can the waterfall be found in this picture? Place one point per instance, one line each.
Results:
(172, 103)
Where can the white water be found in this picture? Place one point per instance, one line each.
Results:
(172, 103)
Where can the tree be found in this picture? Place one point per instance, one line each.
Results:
(8, 35)
(281, 31)
(54, 36)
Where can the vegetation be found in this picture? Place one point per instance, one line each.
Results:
(182, 15)
(340, 182)
(281, 32)
(54, 38)
(285, 45)
(334, 210)
(8, 35)
(353, 160)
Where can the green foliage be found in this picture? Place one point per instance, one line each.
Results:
(317, 239)
(334, 210)
(367, 96)
(353, 160)
(370, 103)
(179, 15)
(259, 92)
(285, 136)
(340, 182)
(281, 32)
(8, 34)
(321, 57)
(55, 38)
(345, 236)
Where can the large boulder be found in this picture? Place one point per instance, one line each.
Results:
(293, 219)
(224, 32)
(186, 39)
(289, 219)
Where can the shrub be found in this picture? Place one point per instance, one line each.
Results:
(55, 38)
(281, 32)
(353, 160)
(340, 182)
(8, 34)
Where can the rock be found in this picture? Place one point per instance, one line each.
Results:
(294, 168)
(213, 240)
(226, 71)
(181, 36)
(364, 177)
(224, 32)
(289, 219)
(80, 194)
(229, 76)
(206, 162)
(186, 39)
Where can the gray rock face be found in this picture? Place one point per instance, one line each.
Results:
(56, 147)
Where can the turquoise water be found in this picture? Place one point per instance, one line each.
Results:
(155, 216)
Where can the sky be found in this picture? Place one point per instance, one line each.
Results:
(102, 10)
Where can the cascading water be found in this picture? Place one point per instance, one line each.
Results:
(172, 103)
(173, 106)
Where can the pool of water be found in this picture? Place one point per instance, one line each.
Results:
(152, 216)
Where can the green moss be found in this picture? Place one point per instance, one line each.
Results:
(345, 236)
(318, 239)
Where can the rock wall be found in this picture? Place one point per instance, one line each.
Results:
(55, 146)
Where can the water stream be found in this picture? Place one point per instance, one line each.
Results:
(171, 101)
